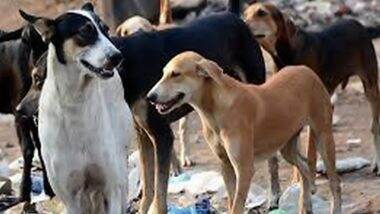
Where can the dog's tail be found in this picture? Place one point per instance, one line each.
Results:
(234, 6)
(165, 13)
(374, 32)
(13, 35)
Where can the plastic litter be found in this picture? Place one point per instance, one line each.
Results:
(289, 201)
(345, 165)
(202, 206)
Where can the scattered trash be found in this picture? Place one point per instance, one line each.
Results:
(278, 211)
(289, 201)
(257, 197)
(37, 184)
(346, 165)
(202, 206)
(354, 142)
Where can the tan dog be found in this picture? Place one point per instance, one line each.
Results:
(244, 124)
(138, 23)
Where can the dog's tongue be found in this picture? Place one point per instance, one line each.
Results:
(107, 73)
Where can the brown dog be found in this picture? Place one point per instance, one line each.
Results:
(335, 53)
(244, 124)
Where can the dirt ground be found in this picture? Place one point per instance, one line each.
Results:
(361, 189)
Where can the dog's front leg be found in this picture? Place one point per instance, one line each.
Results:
(27, 148)
(241, 158)
(163, 142)
(47, 187)
(146, 150)
(274, 183)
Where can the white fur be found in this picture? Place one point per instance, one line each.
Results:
(83, 122)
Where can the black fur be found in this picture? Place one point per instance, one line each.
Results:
(221, 37)
(20, 50)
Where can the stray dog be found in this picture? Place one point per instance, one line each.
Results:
(84, 125)
(336, 53)
(28, 111)
(139, 24)
(20, 50)
(222, 37)
(244, 124)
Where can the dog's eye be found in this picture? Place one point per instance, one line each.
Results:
(261, 13)
(86, 30)
(175, 74)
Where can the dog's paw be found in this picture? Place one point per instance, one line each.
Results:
(187, 162)
(376, 168)
(176, 171)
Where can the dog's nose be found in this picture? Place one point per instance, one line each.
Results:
(152, 97)
(116, 58)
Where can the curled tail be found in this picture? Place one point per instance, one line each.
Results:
(234, 7)
(374, 32)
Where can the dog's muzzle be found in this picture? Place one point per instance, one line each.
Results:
(164, 107)
(108, 70)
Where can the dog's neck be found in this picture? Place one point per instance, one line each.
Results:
(69, 82)
(214, 98)
(286, 48)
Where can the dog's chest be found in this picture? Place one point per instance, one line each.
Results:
(96, 131)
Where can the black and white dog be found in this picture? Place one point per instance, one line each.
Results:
(85, 126)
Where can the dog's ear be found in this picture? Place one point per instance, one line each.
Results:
(290, 27)
(44, 26)
(201, 68)
(88, 6)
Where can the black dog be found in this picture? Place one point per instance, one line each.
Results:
(223, 38)
(20, 50)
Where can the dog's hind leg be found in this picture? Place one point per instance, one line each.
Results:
(326, 148)
(291, 154)
(274, 183)
(369, 78)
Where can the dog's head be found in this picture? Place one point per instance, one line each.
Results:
(30, 37)
(79, 38)
(182, 82)
(268, 24)
(28, 106)
(134, 25)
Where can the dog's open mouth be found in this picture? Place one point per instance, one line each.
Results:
(260, 36)
(165, 107)
(101, 72)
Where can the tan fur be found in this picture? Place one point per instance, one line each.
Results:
(138, 23)
(244, 124)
